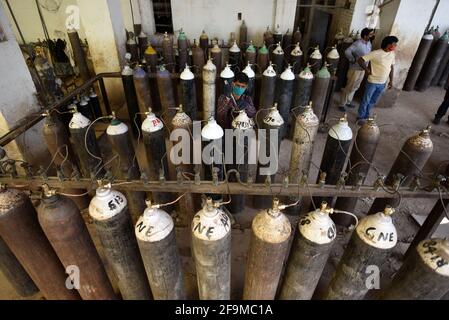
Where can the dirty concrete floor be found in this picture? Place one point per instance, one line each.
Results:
(412, 112)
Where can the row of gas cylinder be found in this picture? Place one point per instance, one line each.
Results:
(145, 258)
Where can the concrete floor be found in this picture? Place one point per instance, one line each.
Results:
(412, 112)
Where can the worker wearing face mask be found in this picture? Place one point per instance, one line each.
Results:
(380, 74)
(355, 73)
(229, 105)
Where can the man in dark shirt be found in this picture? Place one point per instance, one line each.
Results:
(444, 106)
(230, 105)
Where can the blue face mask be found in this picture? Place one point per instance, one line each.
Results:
(238, 91)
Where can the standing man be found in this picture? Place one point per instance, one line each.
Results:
(444, 106)
(379, 71)
(356, 74)
(228, 107)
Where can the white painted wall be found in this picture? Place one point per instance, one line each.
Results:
(18, 100)
(441, 17)
(359, 19)
(219, 17)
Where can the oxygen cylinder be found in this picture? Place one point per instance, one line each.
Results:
(310, 250)
(226, 76)
(412, 158)
(268, 38)
(81, 139)
(418, 62)
(250, 54)
(444, 77)
(20, 230)
(297, 36)
(319, 90)
(126, 167)
(78, 54)
(277, 35)
(212, 158)
(356, 36)
(143, 44)
(165, 86)
(142, 85)
(333, 58)
(424, 275)
(154, 140)
(198, 57)
(240, 157)
(306, 129)
(303, 90)
(167, 53)
(64, 227)
(284, 95)
(271, 122)
(343, 65)
(109, 211)
(263, 58)
(433, 62)
(339, 38)
(362, 154)
(58, 144)
(130, 96)
(436, 33)
(155, 232)
(95, 103)
(84, 108)
(370, 245)
(243, 36)
(151, 59)
(266, 94)
(267, 251)
(209, 76)
(188, 93)
(252, 80)
(215, 54)
(296, 58)
(315, 60)
(444, 62)
(13, 271)
(277, 57)
(337, 147)
(204, 44)
(234, 56)
(183, 50)
(132, 47)
(211, 250)
(287, 43)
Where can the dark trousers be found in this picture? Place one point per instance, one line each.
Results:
(444, 106)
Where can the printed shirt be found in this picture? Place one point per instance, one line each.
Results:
(358, 49)
(227, 109)
(381, 63)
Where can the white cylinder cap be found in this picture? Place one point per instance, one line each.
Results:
(288, 74)
(269, 72)
(79, 121)
(227, 73)
(249, 71)
(127, 71)
(316, 54)
(378, 230)
(242, 121)
(210, 66)
(211, 224)
(106, 204)
(212, 131)
(274, 118)
(306, 74)
(278, 49)
(333, 54)
(271, 228)
(152, 123)
(435, 254)
(235, 48)
(116, 128)
(428, 36)
(318, 227)
(341, 131)
(154, 225)
(296, 51)
(186, 74)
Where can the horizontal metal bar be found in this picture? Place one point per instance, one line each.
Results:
(222, 188)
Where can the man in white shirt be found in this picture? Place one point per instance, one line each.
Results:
(380, 70)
